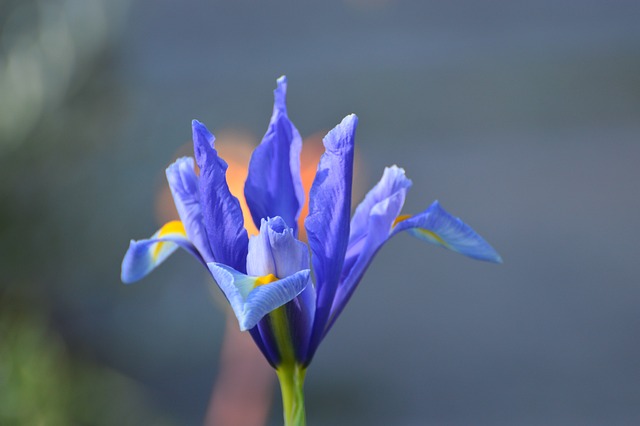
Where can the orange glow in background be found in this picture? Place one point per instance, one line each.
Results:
(235, 147)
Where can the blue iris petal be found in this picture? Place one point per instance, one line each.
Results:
(273, 186)
(328, 222)
(221, 211)
(183, 182)
(139, 259)
(370, 228)
(251, 303)
(393, 182)
(437, 226)
(276, 251)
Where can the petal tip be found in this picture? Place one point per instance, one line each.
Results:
(350, 120)
(280, 94)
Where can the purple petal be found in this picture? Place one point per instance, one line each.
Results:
(370, 228)
(328, 222)
(435, 225)
(393, 182)
(273, 186)
(184, 185)
(221, 211)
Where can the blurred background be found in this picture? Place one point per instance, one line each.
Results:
(523, 118)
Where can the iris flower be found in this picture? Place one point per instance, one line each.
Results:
(287, 293)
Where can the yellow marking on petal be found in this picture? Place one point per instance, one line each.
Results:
(400, 218)
(173, 227)
(265, 279)
(433, 236)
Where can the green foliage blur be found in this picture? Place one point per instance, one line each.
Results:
(42, 384)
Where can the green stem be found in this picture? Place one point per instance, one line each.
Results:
(291, 377)
(290, 372)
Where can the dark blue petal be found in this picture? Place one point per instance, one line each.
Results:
(184, 185)
(273, 186)
(220, 210)
(328, 222)
(437, 226)
(371, 226)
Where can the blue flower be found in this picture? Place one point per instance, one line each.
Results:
(288, 294)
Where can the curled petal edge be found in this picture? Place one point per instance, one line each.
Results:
(143, 256)
(251, 298)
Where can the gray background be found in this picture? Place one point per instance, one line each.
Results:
(520, 117)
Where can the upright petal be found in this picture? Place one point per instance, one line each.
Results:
(254, 297)
(144, 256)
(393, 182)
(328, 222)
(435, 225)
(371, 226)
(276, 251)
(289, 254)
(273, 186)
(221, 211)
(184, 186)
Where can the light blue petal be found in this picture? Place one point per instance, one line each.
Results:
(221, 211)
(289, 254)
(327, 224)
(143, 256)
(251, 303)
(260, 259)
(371, 227)
(276, 251)
(273, 186)
(184, 185)
(393, 182)
(435, 225)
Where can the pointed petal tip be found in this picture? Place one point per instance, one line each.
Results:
(132, 269)
(199, 129)
(350, 120)
(343, 135)
(280, 95)
(490, 254)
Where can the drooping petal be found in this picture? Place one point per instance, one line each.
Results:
(273, 186)
(371, 226)
(184, 186)
(435, 225)
(144, 255)
(221, 211)
(328, 222)
(251, 298)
